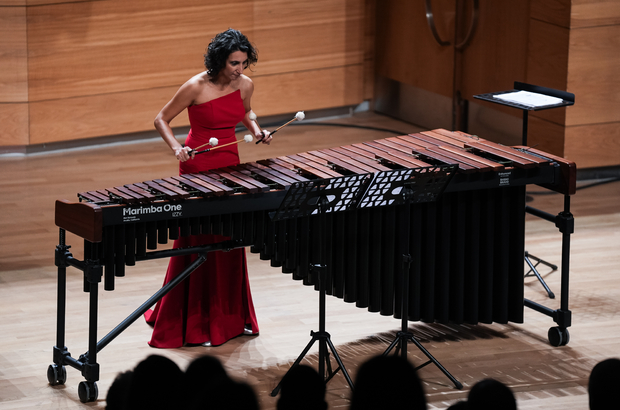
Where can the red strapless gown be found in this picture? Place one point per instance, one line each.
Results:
(214, 303)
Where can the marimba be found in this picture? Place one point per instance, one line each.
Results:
(467, 248)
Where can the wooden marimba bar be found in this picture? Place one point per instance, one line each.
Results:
(467, 248)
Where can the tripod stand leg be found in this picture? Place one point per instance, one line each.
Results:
(324, 343)
(392, 345)
(275, 391)
(538, 260)
(457, 384)
(340, 365)
(537, 274)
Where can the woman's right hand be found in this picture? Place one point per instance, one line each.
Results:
(184, 153)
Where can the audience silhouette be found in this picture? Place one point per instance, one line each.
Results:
(203, 373)
(382, 382)
(157, 383)
(459, 405)
(490, 394)
(119, 391)
(602, 385)
(302, 388)
(210, 387)
(387, 382)
(225, 394)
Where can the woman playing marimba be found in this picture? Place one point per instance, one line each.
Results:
(214, 304)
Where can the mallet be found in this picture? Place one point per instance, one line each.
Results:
(246, 138)
(298, 117)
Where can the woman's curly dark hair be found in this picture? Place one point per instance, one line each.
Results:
(222, 45)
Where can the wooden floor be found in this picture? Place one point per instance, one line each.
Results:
(543, 377)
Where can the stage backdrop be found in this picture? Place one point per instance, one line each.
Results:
(71, 70)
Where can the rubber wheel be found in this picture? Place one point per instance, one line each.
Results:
(558, 336)
(88, 391)
(56, 374)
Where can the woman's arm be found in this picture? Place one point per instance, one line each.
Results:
(247, 89)
(181, 100)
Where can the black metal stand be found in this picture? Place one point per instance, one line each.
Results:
(564, 221)
(534, 272)
(313, 197)
(402, 188)
(87, 362)
(558, 336)
(567, 99)
(402, 337)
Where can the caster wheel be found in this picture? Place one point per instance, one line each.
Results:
(558, 336)
(56, 374)
(88, 391)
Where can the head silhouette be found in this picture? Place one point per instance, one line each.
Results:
(385, 382)
(491, 394)
(602, 385)
(302, 388)
(157, 383)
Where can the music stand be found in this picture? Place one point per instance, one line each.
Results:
(402, 188)
(318, 197)
(524, 97)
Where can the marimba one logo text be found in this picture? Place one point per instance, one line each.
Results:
(152, 209)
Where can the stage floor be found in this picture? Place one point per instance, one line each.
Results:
(541, 376)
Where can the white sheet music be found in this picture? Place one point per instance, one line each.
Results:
(528, 98)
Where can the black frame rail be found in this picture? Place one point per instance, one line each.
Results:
(93, 272)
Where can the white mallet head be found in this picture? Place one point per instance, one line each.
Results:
(213, 142)
(247, 138)
(300, 116)
(252, 116)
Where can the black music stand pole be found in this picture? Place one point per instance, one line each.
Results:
(312, 197)
(402, 188)
(566, 99)
(402, 337)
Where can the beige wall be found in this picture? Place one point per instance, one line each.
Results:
(73, 70)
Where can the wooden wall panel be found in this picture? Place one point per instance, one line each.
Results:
(298, 36)
(573, 47)
(14, 128)
(13, 55)
(106, 67)
(129, 47)
(116, 46)
(547, 64)
(44, 2)
(546, 135)
(556, 12)
(596, 88)
(593, 145)
(311, 90)
(98, 115)
(134, 111)
(591, 13)
(407, 42)
(496, 56)
(11, 3)
(370, 13)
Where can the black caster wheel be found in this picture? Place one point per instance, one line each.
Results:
(56, 374)
(88, 391)
(558, 336)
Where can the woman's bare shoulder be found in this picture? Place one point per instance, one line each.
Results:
(198, 80)
(246, 86)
